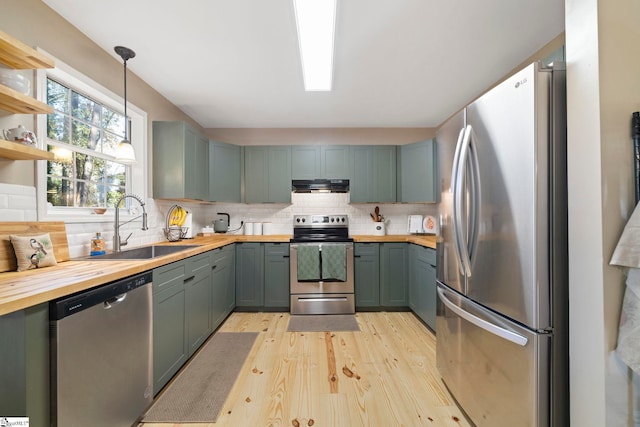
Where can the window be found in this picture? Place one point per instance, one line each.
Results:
(83, 131)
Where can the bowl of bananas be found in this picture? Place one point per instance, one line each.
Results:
(175, 229)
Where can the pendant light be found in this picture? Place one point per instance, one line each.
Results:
(124, 152)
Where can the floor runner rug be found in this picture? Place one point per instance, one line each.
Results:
(198, 393)
(323, 323)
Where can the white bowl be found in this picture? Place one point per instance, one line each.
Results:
(15, 80)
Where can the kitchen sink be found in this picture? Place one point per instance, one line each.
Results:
(144, 252)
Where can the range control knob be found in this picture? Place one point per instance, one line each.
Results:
(303, 219)
(344, 219)
(333, 219)
(297, 219)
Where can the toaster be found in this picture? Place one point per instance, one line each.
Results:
(414, 224)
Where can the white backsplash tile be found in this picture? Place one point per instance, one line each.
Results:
(18, 203)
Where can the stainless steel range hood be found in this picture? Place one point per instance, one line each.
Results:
(320, 185)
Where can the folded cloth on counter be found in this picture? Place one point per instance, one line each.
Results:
(308, 263)
(627, 252)
(334, 262)
(628, 348)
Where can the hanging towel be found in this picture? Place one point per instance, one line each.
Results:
(308, 262)
(334, 262)
(627, 254)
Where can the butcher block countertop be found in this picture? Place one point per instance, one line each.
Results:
(20, 290)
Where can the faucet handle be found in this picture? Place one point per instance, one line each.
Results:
(125, 240)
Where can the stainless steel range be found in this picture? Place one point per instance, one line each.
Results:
(321, 265)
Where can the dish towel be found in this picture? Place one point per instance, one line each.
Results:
(308, 262)
(334, 262)
(627, 254)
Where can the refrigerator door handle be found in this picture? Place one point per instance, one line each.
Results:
(474, 198)
(481, 323)
(458, 201)
(456, 187)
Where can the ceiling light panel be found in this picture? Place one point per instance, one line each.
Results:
(316, 21)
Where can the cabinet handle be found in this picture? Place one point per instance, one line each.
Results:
(190, 278)
(213, 267)
(285, 256)
(357, 256)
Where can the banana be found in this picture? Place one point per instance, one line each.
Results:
(182, 217)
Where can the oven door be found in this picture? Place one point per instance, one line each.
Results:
(320, 286)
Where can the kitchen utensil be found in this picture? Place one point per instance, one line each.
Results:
(222, 225)
(20, 134)
(376, 214)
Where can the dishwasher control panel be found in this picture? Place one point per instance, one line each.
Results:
(103, 294)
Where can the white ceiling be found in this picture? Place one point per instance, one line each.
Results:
(400, 63)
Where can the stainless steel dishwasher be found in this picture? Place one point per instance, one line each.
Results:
(101, 354)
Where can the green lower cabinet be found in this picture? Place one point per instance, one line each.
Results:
(276, 275)
(366, 268)
(394, 275)
(222, 285)
(249, 275)
(197, 296)
(422, 283)
(24, 364)
(170, 350)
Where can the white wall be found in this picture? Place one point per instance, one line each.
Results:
(603, 87)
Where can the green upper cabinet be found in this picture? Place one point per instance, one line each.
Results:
(180, 162)
(320, 161)
(225, 172)
(373, 174)
(334, 162)
(267, 174)
(418, 173)
(305, 162)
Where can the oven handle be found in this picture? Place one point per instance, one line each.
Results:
(325, 299)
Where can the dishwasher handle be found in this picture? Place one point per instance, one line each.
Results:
(112, 302)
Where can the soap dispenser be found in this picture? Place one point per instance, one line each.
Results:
(98, 245)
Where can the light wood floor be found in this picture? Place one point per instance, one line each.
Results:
(384, 375)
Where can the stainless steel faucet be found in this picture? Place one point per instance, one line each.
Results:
(117, 241)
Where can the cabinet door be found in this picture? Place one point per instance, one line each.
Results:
(430, 297)
(361, 185)
(170, 350)
(414, 301)
(393, 275)
(268, 174)
(367, 274)
(180, 162)
(249, 274)
(256, 174)
(305, 162)
(276, 275)
(385, 174)
(279, 176)
(197, 296)
(225, 173)
(418, 174)
(221, 274)
(334, 161)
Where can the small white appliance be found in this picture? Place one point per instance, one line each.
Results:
(415, 224)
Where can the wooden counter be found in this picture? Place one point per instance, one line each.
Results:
(20, 290)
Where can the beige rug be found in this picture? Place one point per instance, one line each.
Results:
(200, 390)
(323, 323)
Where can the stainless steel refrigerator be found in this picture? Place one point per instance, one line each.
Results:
(502, 314)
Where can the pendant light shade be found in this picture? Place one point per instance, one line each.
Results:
(124, 151)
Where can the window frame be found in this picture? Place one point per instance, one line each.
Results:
(137, 177)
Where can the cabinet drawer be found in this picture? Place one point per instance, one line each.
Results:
(366, 249)
(169, 275)
(427, 255)
(276, 249)
(198, 264)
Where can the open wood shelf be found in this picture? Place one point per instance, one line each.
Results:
(18, 55)
(15, 151)
(16, 102)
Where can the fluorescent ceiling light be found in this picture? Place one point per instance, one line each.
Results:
(316, 21)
